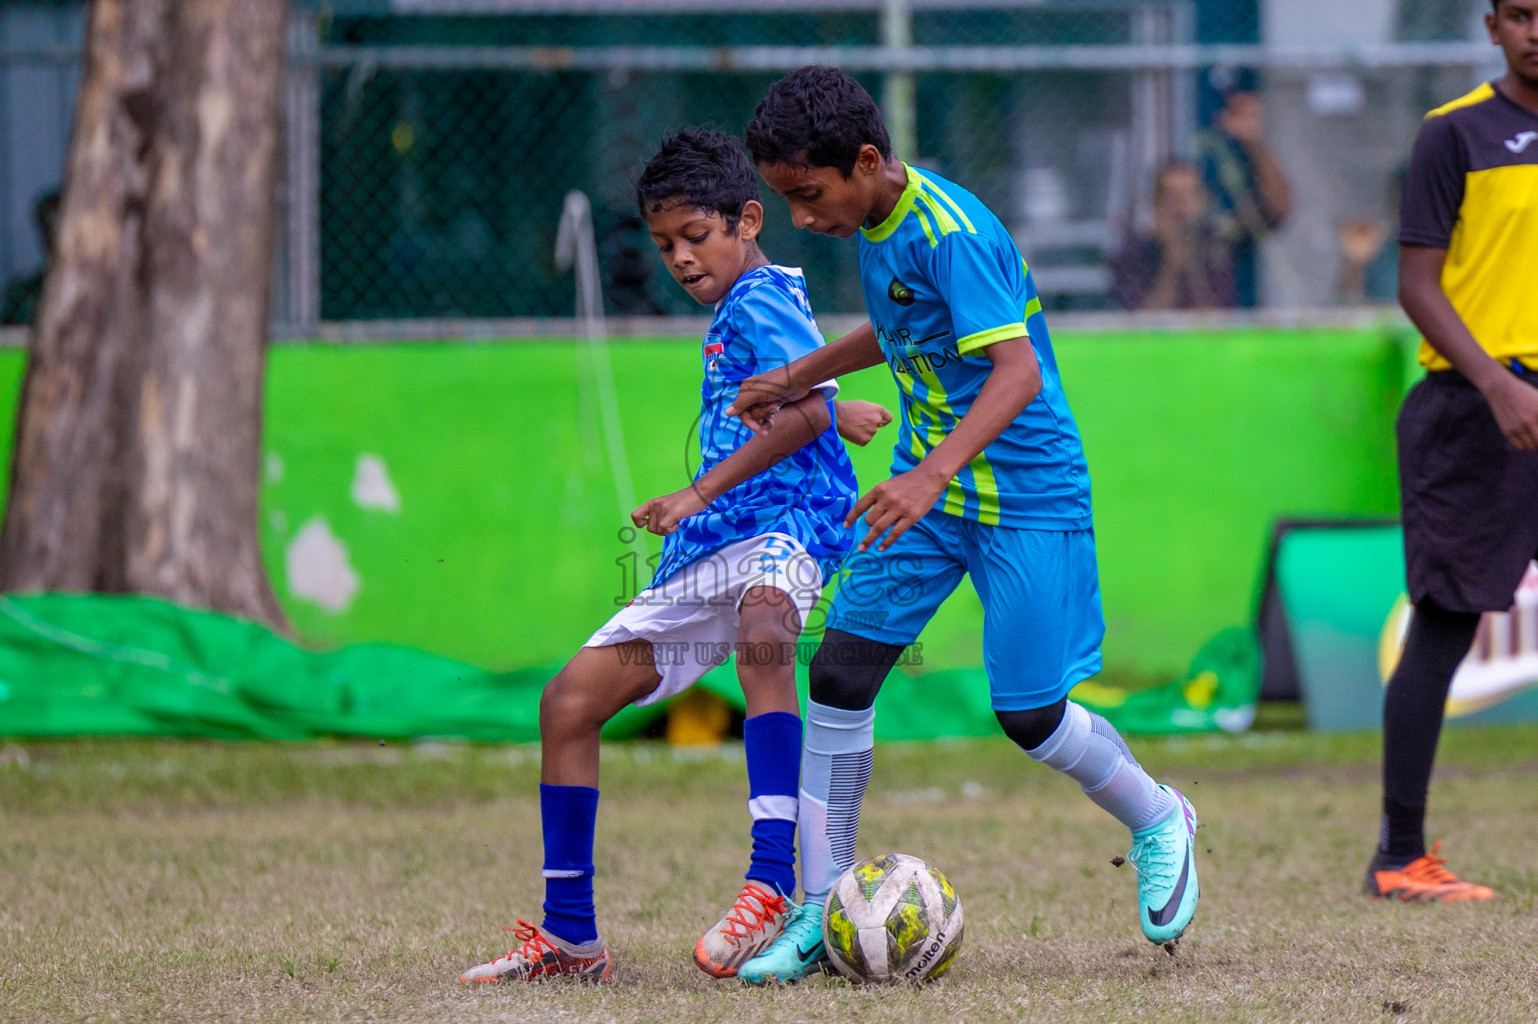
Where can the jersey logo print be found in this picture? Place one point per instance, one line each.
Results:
(899, 293)
(1521, 142)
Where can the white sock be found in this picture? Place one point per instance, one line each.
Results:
(835, 769)
(1087, 749)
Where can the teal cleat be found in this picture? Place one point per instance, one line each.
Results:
(1164, 855)
(797, 952)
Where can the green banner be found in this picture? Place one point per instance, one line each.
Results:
(461, 498)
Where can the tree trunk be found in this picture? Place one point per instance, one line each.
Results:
(138, 442)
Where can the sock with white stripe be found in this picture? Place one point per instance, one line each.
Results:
(568, 815)
(835, 769)
(1086, 748)
(772, 744)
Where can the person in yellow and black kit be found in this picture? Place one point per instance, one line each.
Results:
(1468, 433)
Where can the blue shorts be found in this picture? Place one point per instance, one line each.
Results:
(1040, 589)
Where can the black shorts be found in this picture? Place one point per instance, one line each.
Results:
(1468, 499)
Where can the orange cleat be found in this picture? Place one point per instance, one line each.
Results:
(543, 957)
(1424, 880)
(753, 922)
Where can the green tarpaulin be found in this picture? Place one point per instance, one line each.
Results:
(1218, 691)
(81, 665)
(74, 665)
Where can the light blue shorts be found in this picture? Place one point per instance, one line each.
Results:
(1042, 623)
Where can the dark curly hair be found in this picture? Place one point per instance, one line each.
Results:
(817, 116)
(700, 167)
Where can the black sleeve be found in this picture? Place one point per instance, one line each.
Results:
(1433, 186)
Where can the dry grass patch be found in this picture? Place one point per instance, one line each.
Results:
(196, 882)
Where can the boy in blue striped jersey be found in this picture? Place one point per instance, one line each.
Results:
(988, 478)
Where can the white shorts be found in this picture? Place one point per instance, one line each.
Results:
(692, 620)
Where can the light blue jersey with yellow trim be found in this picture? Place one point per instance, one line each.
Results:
(943, 280)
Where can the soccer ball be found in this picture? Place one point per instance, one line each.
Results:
(892, 918)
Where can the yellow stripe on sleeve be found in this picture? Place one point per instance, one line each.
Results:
(982, 339)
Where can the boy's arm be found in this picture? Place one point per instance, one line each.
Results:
(798, 425)
(761, 396)
(1434, 190)
(1514, 403)
(896, 504)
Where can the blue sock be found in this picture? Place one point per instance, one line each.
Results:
(568, 815)
(773, 746)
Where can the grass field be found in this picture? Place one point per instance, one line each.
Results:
(336, 882)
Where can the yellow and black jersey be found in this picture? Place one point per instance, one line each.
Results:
(1472, 189)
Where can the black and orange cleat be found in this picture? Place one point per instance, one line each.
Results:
(1424, 880)
(544, 957)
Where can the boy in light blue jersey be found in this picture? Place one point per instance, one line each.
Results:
(989, 479)
(747, 546)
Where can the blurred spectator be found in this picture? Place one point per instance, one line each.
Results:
(1362, 244)
(1182, 264)
(1369, 262)
(1249, 189)
(23, 293)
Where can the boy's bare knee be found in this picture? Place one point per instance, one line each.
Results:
(593, 687)
(563, 704)
(572, 700)
(769, 616)
(766, 650)
(763, 637)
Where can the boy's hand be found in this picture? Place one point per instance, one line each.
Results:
(662, 515)
(1515, 405)
(896, 504)
(859, 421)
(759, 398)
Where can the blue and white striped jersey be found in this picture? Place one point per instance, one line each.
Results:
(763, 323)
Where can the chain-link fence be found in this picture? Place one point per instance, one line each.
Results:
(1146, 153)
